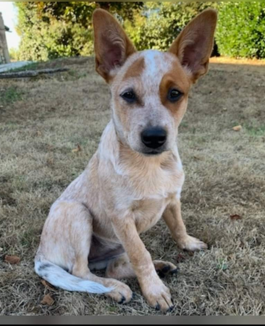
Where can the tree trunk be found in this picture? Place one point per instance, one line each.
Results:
(3, 43)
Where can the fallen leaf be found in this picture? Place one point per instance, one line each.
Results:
(78, 149)
(237, 128)
(235, 217)
(47, 285)
(12, 259)
(47, 300)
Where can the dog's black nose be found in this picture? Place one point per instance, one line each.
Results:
(154, 137)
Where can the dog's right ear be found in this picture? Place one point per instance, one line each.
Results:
(112, 45)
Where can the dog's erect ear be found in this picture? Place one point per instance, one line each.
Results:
(194, 44)
(112, 45)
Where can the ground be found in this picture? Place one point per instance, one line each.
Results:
(51, 125)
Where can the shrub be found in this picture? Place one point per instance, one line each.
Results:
(50, 30)
(13, 53)
(241, 29)
(160, 24)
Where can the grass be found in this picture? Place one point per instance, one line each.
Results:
(41, 122)
(10, 95)
(256, 130)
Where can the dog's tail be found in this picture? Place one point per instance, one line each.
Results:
(58, 277)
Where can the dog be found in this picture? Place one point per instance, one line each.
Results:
(135, 176)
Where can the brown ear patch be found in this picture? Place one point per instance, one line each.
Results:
(135, 69)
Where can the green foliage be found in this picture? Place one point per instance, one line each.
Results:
(54, 29)
(61, 29)
(13, 53)
(241, 29)
(161, 23)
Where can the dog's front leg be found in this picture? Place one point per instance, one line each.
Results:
(173, 219)
(154, 290)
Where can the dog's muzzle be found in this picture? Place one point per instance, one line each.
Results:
(153, 139)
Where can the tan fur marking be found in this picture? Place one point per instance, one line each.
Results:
(135, 70)
(174, 79)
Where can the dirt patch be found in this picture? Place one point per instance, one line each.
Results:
(224, 176)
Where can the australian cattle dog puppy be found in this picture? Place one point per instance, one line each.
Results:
(135, 177)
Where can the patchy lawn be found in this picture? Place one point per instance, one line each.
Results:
(51, 125)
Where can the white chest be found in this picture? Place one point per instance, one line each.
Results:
(148, 212)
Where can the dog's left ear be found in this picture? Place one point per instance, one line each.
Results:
(112, 45)
(194, 45)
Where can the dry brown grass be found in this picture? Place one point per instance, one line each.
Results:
(238, 61)
(42, 120)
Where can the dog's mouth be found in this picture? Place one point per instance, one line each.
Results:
(152, 153)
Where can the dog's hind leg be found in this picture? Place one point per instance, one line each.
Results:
(66, 242)
(120, 293)
(121, 267)
(164, 268)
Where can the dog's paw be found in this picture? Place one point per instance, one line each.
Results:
(164, 268)
(121, 293)
(158, 296)
(191, 244)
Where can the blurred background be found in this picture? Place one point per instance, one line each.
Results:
(40, 31)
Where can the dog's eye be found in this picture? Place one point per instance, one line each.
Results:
(174, 95)
(129, 96)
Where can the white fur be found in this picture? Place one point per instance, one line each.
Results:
(62, 279)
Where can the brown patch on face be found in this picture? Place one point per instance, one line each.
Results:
(136, 69)
(178, 79)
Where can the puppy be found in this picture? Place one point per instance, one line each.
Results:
(135, 177)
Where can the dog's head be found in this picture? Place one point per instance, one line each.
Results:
(149, 89)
